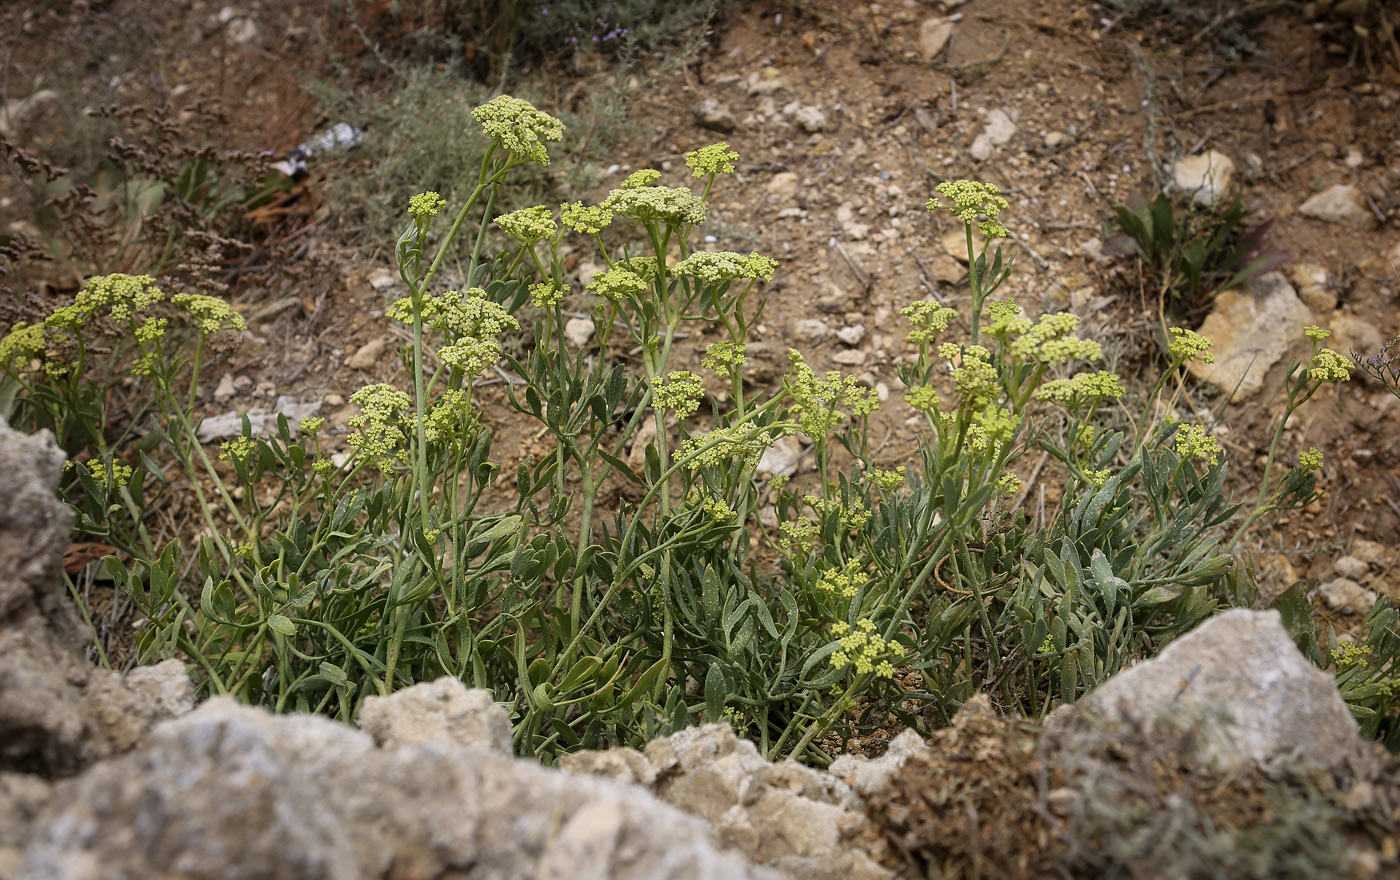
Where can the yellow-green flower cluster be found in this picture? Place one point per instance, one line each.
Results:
(1050, 342)
(588, 220)
(151, 331)
(471, 314)
(21, 345)
(616, 283)
(1009, 484)
(378, 435)
(718, 510)
(1194, 444)
(723, 444)
(670, 205)
(641, 177)
(425, 205)
(1097, 478)
(714, 159)
(546, 294)
(1084, 438)
(312, 425)
(887, 480)
(798, 533)
(971, 199)
(238, 449)
(644, 268)
(975, 379)
(1083, 389)
(723, 357)
(860, 648)
(680, 393)
(843, 581)
(1328, 366)
(720, 266)
(518, 128)
(1310, 459)
(211, 313)
(1316, 333)
(471, 355)
(111, 475)
(815, 400)
(1349, 654)
(922, 398)
(928, 316)
(445, 419)
(1187, 345)
(528, 225)
(124, 296)
(992, 426)
(1002, 319)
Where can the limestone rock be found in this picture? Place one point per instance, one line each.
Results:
(868, 778)
(715, 115)
(1240, 677)
(1354, 333)
(780, 459)
(783, 184)
(1342, 203)
(1207, 178)
(369, 354)
(1313, 284)
(230, 424)
(230, 792)
(1347, 596)
(578, 331)
(1351, 567)
(810, 329)
(811, 119)
(1253, 328)
(851, 357)
(998, 130)
(443, 710)
(225, 389)
(1056, 140)
(934, 34)
(851, 334)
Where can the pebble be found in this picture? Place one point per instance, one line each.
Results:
(1206, 177)
(1058, 139)
(1342, 203)
(780, 458)
(997, 130)
(851, 335)
(1350, 567)
(934, 34)
(714, 115)
(1371, 552)
(783, 184)
(810, 329)
(1353, 333)
(811, 119)
(766, 82)
(382, 279)
(1312, 283)
(334, 399)
(368, 354)
(225, 390)
(1347, 596)
(853, 357)
(578, 331)
(1245, 322)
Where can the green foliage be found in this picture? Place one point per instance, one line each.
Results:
(1191, 255)
(319, 580)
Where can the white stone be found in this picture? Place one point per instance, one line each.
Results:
(444, 710)
(934, 34)
(577, 331)
(1347, 596)
(851, 335)
(784, 184)
(1253, 328)
(369, 354)
(853, 357)
(715, 115)
(230, 424)
(226, 389)
(1342, 203)
(1351, 567)
(1207, 178)
(382, 279)
(1057, 139)
(811, 119)
(781, 458)
(810, 329)
(1313, 286)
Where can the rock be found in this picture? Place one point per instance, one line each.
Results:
(853, 357)
(1056, 140)
(714, 115)
(231, 792)
(997, 130)
(784, 184)
(1372, 552)
(780, 459)
(444, 711)
(369, 354)
(1238, 676)
(1253, 328)
(382, 279)
(1352, 333)
(1207, 178)
(239, 28)
(766, 82)
(577, 331)
(230, 424)
(1351, 567)
(946, 269)
(955, 245)
(869, 778)
(851, 335)
(15, 111)
(1342, 203)
(934, 34)
(811, 119)
(1311, 280)
(1354, 158)
(810, 329)
(225, 390)
(637, 456)
(1347, 596)
(57, 712)
(620, 763)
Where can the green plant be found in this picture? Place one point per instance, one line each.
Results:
(321, 580)
(1190, 256)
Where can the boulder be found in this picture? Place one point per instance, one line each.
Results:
(1253, 328)
(443, 710)
(1342, 203)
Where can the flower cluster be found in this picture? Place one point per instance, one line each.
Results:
(928, 316)
(718, 267)
(1097, 478)
(992, 426)
(1194, 444)
(815, 400)
(124, 296)
(669, 205)
(723, 357)
(211, 313)
(616, 283)
(718, 511)
(239, 449)
(110, 475)
(528, 225)
(1310, 459)
(1002, 320)
(378, 434)
(714, 159)
(797, 534)
(680, 393)
(588, 220)
(1316, 333)
(518, 128)
(313, 424)
(887, 480)
(425, 205)
(1009, 484)
(843, 581)
(1050, 341)
(922, 398)
(471, 314)
(723, 444)
(1187, 345)
(22, 344)
(860, 648)
(642, 177)
(975, 379)
(1328, 366)
(1081, 390)
(546, 294)
(971, 199)
(446, 418)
